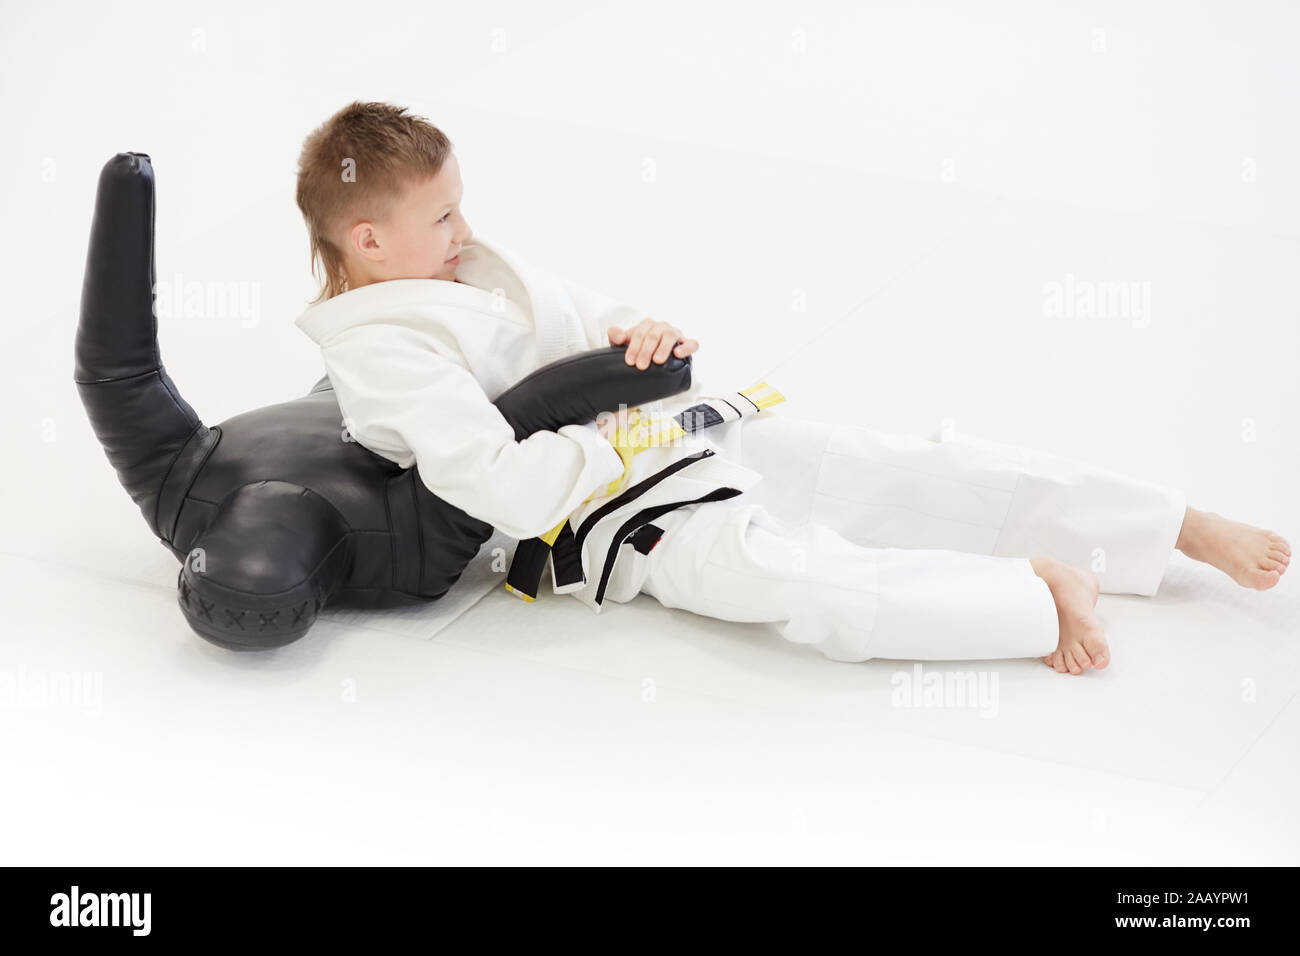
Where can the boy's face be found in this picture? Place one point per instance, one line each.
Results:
(424, 230)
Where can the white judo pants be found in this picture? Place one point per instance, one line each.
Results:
(870, 545)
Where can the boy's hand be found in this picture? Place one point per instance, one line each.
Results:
(649, 340)
(609, 423)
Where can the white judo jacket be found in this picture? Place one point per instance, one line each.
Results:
(417, 363)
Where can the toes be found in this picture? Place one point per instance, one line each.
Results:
(1279, 556)
(1097, 650)
(1279, 542)
(1081, 659)
(1261, 580)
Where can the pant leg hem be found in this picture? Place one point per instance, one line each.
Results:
(1166, 542)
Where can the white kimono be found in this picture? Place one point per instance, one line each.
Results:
(416, 364)
(859, 543)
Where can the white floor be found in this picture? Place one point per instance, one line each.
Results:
(543, 733)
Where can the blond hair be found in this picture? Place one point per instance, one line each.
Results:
(353, 167)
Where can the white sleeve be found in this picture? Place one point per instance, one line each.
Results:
(405, 402)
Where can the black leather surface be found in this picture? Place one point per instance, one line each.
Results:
(273, 514)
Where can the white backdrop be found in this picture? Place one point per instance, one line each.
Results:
(868, 204)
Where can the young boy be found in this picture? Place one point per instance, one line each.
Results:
(860, 543)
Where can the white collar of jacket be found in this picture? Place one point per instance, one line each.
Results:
(484, 267)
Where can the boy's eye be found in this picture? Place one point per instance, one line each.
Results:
(445, 218)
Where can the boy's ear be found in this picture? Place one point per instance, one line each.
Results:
(364, 240)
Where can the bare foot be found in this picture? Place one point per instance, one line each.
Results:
(1251, 556)
(1083, 641)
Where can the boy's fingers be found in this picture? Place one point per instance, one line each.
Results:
(635, 346)
(616, 335)
(634, 340)
(651, 341)
(647, 350)
(665, 347)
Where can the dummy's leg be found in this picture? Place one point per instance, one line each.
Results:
(962, 494)
(736, 562)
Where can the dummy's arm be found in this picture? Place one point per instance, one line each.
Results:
(415, 407)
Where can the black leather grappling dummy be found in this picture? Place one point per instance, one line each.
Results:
(273, 513)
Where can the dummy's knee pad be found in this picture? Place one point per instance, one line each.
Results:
(253, 583)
